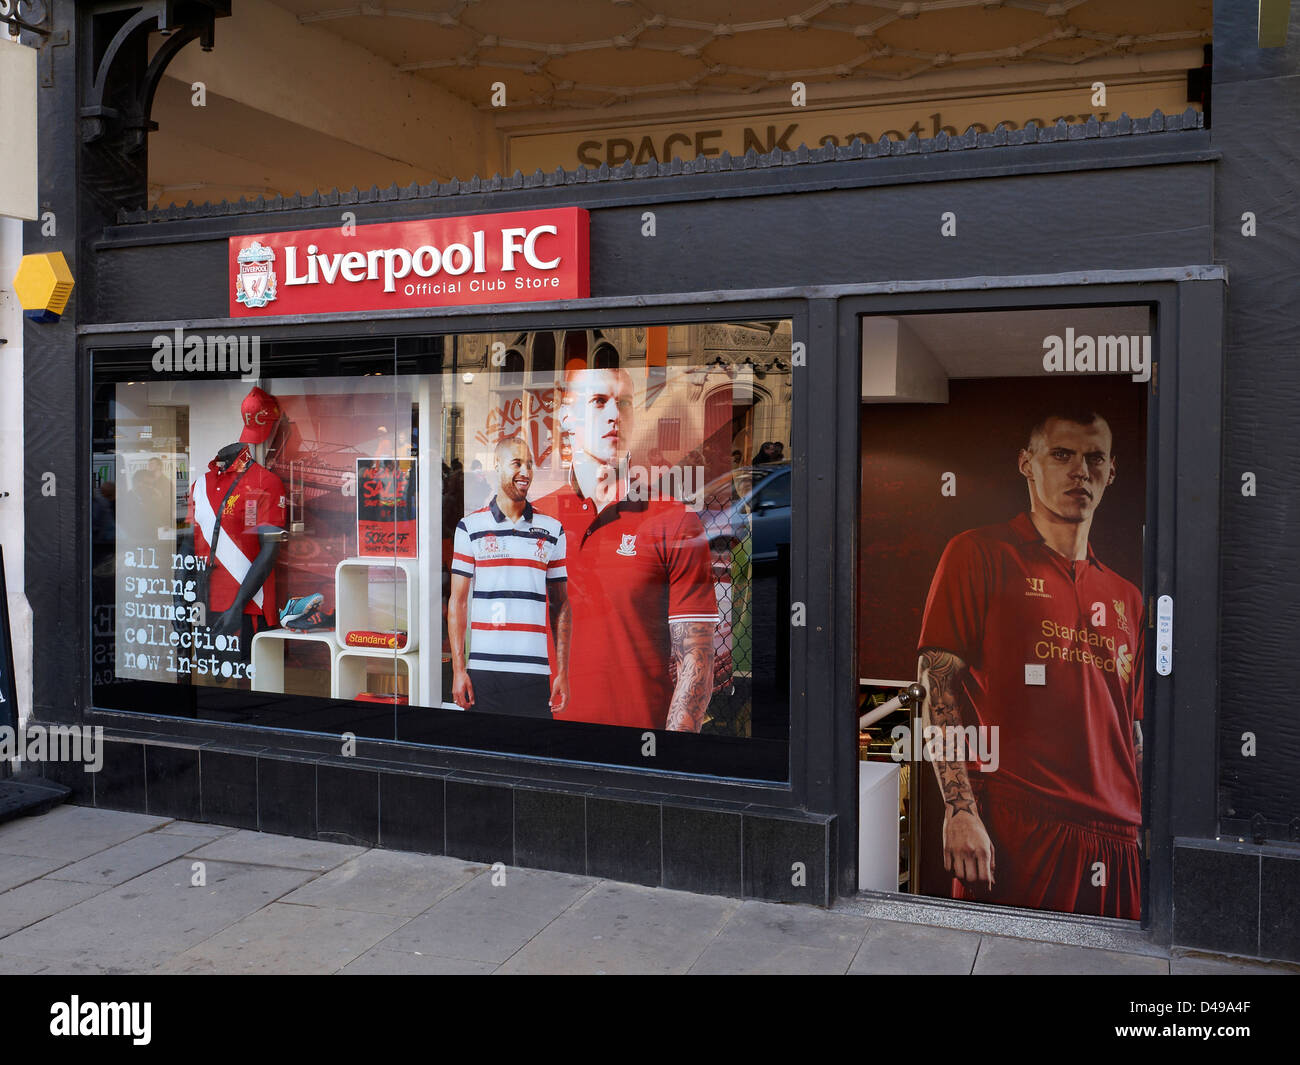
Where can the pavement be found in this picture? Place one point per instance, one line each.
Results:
(86, 890)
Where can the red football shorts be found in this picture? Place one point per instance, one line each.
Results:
(1047, 859)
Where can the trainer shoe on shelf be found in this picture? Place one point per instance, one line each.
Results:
(312, 622)
(296, 608)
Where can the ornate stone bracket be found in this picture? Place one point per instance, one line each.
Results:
(119, 85)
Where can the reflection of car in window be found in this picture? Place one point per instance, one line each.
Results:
(751, 501)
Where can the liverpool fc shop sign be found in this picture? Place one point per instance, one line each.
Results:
(440, 262)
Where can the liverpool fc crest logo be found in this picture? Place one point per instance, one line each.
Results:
(628, 546)
(255, 285)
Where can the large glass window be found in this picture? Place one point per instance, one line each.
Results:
(452, 540)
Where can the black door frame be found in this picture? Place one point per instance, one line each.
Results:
(1181, 552)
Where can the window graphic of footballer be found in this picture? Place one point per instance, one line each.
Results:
(640, 581)
(514, 554)
(1056, 825)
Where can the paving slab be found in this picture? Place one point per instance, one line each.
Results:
(735, 956)
(22, 965)
(285, 939)
(391, 882)
(896, 947)
(805, 926)
(625, 928)
(17, 869)
(73, 832)
(382, 962)
(197, 828)
(283, 852)
(1200, 965)
(482, 921)
(1002, 955)
(144, 922)
(128, 860)
(31, 903)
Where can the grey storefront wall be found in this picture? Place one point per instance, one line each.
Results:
(1091, 215)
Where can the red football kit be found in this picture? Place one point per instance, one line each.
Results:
(1066, 792)
(257, 501)
(632, 569)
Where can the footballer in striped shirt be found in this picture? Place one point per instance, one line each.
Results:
(508, 584)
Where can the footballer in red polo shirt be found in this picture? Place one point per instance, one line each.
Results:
(1028, 635)
(640, 579)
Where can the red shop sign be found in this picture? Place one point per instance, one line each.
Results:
(436, 262)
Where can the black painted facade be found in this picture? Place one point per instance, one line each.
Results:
(1147, 211)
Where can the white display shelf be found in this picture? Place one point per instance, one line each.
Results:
(349, 677)
(352, 604)
(267, 657)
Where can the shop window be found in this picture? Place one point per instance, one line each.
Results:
(1002, 513)
(543, 351)
(606, 357)
(400, 541)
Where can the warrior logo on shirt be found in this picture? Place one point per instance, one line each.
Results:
(628, 546)
(1124, 662)
(1038, 587)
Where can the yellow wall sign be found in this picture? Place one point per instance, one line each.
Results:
(789, 129)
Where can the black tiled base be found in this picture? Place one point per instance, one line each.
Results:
(287, 797)
(785, 861)
(412, 813)
(228, 788)
(1279, 914)
(1216, 899)
(702, 851)
(624, 841)
(550, 831)
(347, 805)
(172, 781)
(480, 822)
(119, 784)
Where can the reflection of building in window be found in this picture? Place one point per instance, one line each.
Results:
(543, 352)
(670, 433)
(606, 357)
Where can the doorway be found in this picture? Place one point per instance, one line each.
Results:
(1001, 542)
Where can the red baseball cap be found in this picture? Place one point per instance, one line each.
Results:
(261, 413)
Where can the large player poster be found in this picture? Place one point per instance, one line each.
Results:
(1002, 563)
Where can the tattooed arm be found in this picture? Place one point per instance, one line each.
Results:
(692, 651)
(967, 849)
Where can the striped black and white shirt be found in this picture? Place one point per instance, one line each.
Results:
(511, 564)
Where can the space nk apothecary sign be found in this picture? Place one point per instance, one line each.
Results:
(437, 262)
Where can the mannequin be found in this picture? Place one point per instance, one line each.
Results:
(227, 623)
(251, 529)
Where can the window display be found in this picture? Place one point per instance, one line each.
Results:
(556, 525)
